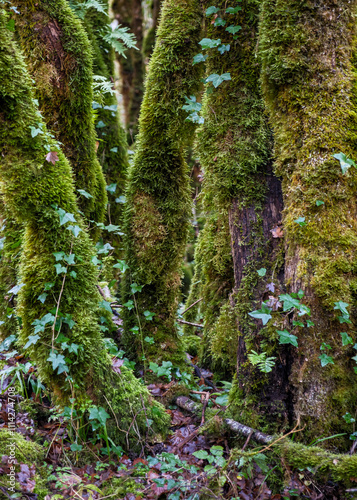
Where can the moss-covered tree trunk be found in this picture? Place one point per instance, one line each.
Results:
(132, 69)
(308, 50)
(158, 195)
(59, 58)
(59, 294)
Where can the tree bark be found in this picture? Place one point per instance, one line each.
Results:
(132, 67)
(158, 196)
(35, 190)
(58, 55)
(309, 83)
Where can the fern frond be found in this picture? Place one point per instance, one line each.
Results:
(119, 38)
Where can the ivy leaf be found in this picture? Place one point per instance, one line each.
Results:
(122, 265)
(73, 274)
(149, 340)
(105, 305)
(35, 131)
(233, 10)
(342, 306)
(345, 162)
(219, 22)
(233, 29)
(129, 305)
(309, 323)
(121, 199)
(300, 221)
(65, 217)
(218, 79)
(346, 339)
(48, 286)
(60, 269)
(298, 323)
(325, 360)
(211, 10)
(42, 298)
(52, 157)
(222, 400)
(262, 272)
(99, 414)
(32, 340)
(114, 150)
(58, 255)
(69, 259)
(111, 228)
(76, 447)
(84, 193)
(15, 289)
(58, 362)
(111, 188)
(192, 104)
(95, 260)
(289, 302)
(287, 338)
(149, 315)
(209, 43)
(347, 417)
(199, 58)
(224, 48)
(263, 314)
(319, 203)
(200, 454)
(75, 230)
(105, 249)
(136, 288)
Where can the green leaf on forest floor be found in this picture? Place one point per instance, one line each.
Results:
(60, 269)
(300, 221)
(32, 340)
(104, 304)
(262, 272)
(345, 162)
(65, 217)
(319, 203)
(58, 362)
(122, 265)
(111, 188)
(42, 298)
(149, 340)
(219, 22)
(287, 338)
(224, 48)
(136, 288)
(233, 10)
(342, 306)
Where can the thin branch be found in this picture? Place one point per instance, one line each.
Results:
(188, 323)
(189, 307)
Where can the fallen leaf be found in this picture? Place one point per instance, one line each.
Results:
(277, 232)
(52, 157)
(116, 364)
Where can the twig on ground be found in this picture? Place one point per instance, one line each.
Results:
(189, 323)
(247, 441)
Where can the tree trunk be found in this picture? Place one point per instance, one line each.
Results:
(309, 82)
(149, 39)
(132, 67)
(158, 195)
(58, 55)
(40, 195)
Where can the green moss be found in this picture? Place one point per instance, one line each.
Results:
(158, 198)
(120, 487)
(32, 187)
(26, 452)
(309, 81)
(59, 58)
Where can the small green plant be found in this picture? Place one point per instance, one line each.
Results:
(264, 363)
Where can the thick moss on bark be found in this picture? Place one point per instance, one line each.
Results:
(158, 196)
(32, 188)
(58, 55)
(308, 52)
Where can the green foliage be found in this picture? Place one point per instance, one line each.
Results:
(119, 38)
(264, 363)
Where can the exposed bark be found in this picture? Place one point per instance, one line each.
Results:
(132, 67)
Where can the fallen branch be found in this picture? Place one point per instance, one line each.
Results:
(188, 323)
(189, 307)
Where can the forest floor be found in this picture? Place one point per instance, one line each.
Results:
(187, 465)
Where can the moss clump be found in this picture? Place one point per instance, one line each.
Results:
(308, 55)
(158, 200)
(33, 188)
(26, 452)
(59, 58)
(119, 488)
